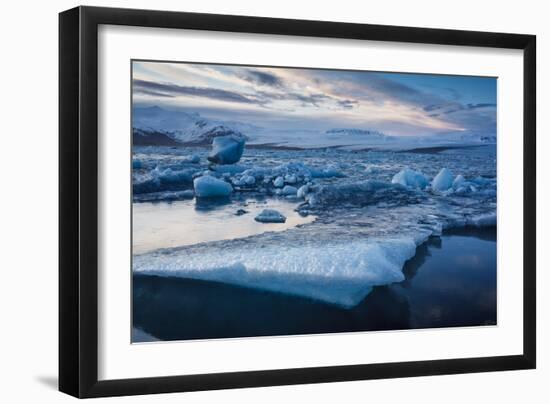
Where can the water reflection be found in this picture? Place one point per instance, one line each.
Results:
(207, 205)
(187, 222)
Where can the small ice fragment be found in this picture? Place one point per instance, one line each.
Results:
(289, 190)
(194, 159)
(410, 178)
(483, 220)
(279, 182)
(208, 186)
(302, 191)
(248, 179)
(370, 169)
(270, 216)
(458, 181)
(443, 180)
(226, 149)
(241, 212)
(290, 179)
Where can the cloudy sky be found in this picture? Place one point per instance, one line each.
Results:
(288, 98)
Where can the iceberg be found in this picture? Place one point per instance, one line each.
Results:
(458, 182)
(226, 149)
(443, 180)
(270, 216)
(208, 187)
(410, 178)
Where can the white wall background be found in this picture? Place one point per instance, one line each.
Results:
(28, 200)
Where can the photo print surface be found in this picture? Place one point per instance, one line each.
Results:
(284, 201)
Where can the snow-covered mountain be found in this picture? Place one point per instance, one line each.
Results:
(160, 126)
(155, 125)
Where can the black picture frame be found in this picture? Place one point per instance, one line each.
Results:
(78, 201)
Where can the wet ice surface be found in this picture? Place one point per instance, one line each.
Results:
(366, 228)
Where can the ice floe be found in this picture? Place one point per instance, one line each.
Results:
(338, 273)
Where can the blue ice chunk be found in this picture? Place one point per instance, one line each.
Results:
(208, 187)
(410, 178)
(227, 149)
(443, 180)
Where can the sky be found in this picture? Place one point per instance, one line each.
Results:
(399, 104)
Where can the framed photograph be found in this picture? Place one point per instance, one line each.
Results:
(251, 201)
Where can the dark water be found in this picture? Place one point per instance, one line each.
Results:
(450, 282)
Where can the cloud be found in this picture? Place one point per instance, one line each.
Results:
(347, 104)
(262, 78)
(399, 103)
(452, 107)
(171, 90)
(482, 105)
(154, 93)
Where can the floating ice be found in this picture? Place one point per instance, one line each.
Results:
(227, 149)
(302, 191)
(249, 180)
(370, 169)
(245, 180)
(290, 179)
(164, 196)
(360, 194)
(279, 182)
(208, 187)
(483, 220)
(289, 190)
(443, 180)
(410, 178)
(160, 179)
(337, 273)
(270, 216)
(325, 173)
(229, 169)
(458, 182)
(194, 159)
